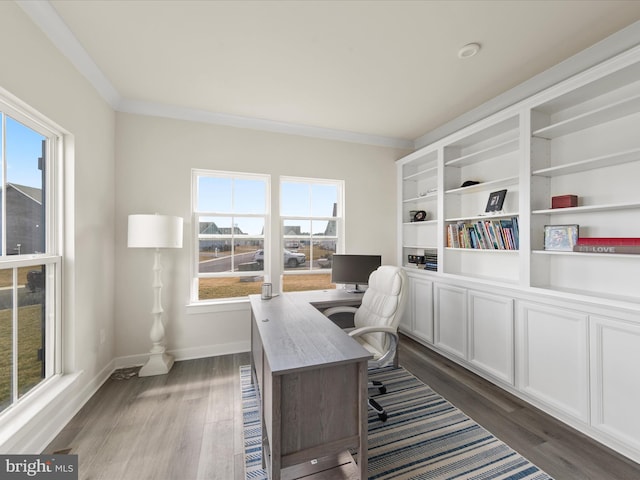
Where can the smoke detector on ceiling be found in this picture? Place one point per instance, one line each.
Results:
(469, 50)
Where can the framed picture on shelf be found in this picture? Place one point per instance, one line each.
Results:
(560, 237)
(496, 200)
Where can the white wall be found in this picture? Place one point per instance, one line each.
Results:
(154, 158)
(33, 70)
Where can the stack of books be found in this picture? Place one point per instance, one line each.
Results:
(484, 234)
(608, 245)
(431, 260)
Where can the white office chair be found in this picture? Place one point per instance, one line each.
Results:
(376, 320)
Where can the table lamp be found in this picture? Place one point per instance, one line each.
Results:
(156, 231)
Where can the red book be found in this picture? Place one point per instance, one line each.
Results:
(608, 241)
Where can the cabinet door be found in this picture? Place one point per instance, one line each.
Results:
(615, 356)
(553, 357)
(451, 319)
(491, 334)
(421, 295)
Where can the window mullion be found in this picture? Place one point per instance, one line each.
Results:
(14, 323)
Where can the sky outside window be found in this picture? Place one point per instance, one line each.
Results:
(23, 147)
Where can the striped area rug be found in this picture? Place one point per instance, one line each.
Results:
(425, 437)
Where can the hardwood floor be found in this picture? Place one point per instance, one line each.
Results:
(188, 424)
(185, 425)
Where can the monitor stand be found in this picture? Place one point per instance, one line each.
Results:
(356, 290)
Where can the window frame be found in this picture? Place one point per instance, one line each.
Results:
(52, 257)
(197, 214)
(338, 219)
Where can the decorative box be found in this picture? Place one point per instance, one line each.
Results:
(564, 201)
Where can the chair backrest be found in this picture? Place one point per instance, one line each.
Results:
(382, 303)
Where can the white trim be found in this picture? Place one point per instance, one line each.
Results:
(191, 353)
(219, 306)
(238, 121)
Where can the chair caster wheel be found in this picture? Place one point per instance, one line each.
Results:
(383, 416)
(382, 390)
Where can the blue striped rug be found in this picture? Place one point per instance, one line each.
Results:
(425, 437)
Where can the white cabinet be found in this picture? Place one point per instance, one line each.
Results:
(450, 312)
(491, 334)
(553, 357)
(615, 357)
(417, 320)
(421, 294)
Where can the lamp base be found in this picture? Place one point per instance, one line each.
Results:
(158, 364)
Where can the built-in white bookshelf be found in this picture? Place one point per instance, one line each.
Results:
(579, 138)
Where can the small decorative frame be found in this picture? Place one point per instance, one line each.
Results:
(560, 237)
(496, 200)
(420, 216)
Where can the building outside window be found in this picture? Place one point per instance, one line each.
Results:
(29, 253)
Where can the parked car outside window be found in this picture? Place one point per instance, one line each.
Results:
(291, 259)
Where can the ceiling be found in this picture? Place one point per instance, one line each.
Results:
(385, 69)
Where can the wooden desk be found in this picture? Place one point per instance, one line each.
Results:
(312, 382)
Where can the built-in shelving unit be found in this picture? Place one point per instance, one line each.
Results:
(558, 328)
(587, 146)
(418, 183)
(490, 156)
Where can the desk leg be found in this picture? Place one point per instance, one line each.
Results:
(363, 449)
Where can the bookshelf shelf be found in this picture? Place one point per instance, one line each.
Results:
(484, 250)
(589, 119)
(485, 154)
(603, 161)
(484, 186)
(419, 198)
(481, 217)
(421, 224)
(587, 209)
(421, 173)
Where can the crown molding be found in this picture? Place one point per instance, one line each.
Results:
(204, 116)
(47, 19)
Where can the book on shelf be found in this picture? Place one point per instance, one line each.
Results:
(632, 249)
(608, 241)
(484, 234)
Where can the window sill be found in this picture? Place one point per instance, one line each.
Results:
(218, 306)
(18, 416)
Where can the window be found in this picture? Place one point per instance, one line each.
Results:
(311, 224)
(231, 218)
(232, 230)
(29, 253)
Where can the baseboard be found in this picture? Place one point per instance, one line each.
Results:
(191, 353)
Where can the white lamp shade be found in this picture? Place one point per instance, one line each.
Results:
(155, 231)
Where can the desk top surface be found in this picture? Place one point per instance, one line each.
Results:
(297, 336)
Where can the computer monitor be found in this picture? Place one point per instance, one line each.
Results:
(353, 269)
